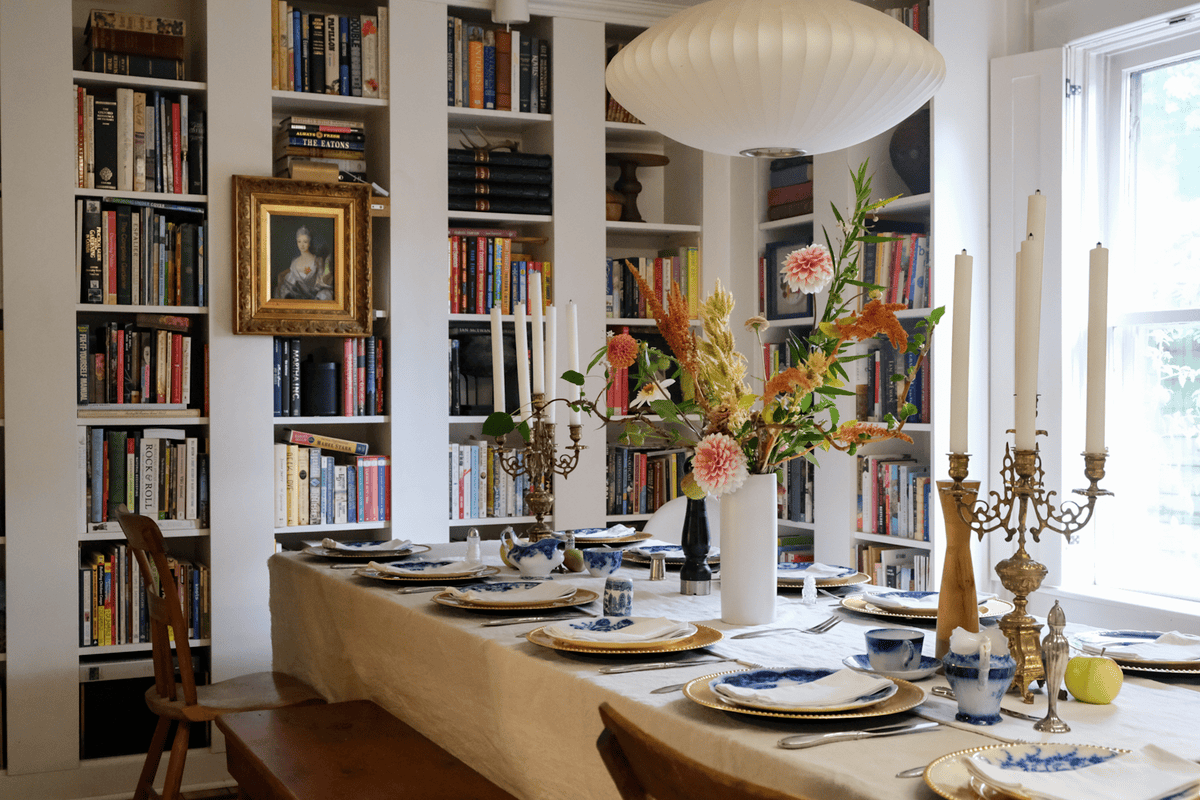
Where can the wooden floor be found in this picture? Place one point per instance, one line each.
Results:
(210, 794)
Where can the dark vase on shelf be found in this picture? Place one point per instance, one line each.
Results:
(695, 576)
(909, 151)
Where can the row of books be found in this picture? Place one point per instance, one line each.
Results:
(913, 15)
(622, 296)
(128, 140)
(139, 45)
(876, 395)
(614, 111)
(641, 480)
(893, 495)
(479, 487)
(347, 382)
(494, 67)
(159, 472)
(903, 568)
(139, 252)
(484, 272)
(139, 363)
(342, 54)
(795, 548)
(312, 488)
(112, 596)
(796, 491)
(901, 266)
(499, 181)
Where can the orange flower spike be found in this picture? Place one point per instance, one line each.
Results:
(876, 318)
(788, 380)
(852, 433)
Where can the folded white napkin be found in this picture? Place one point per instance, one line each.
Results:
(1170, 646)
(835, 689)
(925, 602)
(619, 629)
(583, 534)
(543, 592)
(1146, 774)
(672, 550)
(374, 547)
(414, 568)
(816, 569)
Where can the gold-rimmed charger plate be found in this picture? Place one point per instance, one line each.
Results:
(703, 637)
(992, 608)
(907, 696)
(373, 555)
(628, 538)
(849, 580)
(580, 597)
(642, 558)
(1094, 638)
(638, 646)
(374, 574)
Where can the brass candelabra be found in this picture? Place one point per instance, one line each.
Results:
(1024, 492)
(540, 461)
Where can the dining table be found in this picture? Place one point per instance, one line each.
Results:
(525, 714)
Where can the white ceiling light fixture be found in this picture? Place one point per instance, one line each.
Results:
(510, 12)
(775, 77)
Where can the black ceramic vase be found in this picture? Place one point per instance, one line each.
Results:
(695, 576)
(909, 151)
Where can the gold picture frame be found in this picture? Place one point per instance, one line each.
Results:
(302, 257)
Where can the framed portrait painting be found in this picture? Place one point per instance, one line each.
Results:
(303, 253)
(782, 302)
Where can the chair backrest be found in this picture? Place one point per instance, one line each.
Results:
(666, 524)
(164, 610)
(643, 767)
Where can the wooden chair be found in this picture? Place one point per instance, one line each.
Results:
(643, 767)
(182, 701)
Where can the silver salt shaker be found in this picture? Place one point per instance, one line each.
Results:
(658, 566)
(1055, 652)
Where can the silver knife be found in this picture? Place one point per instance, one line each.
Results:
(415, 589)
(360, 566)
(521, 620)
(801, 741)
(661, 665)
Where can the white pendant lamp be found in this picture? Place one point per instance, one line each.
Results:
(775, 77)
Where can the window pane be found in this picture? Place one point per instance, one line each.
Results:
(1163, 178)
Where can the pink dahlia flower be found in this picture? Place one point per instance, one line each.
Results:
(808, 270)
(622, 351)
(719, 464)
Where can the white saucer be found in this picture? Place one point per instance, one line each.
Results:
(929, 665)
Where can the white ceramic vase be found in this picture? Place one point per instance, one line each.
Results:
(749, 551)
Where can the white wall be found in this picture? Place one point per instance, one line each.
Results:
(1056, 22)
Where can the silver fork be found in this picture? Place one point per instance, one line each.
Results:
(821, 627)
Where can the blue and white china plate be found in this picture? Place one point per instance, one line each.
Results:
(703, 637)
(1098, 640)
(861, 603)
(907, 696)
(422, 571)
(948, 776)
(793, 575)
(615, 624)
(862, 663)
(672, 553)
(595, 541)
(578, 598)
(761, 679)
(365, 550)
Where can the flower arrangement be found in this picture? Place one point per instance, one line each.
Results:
(735, 429)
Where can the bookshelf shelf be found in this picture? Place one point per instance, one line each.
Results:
(168, 533)
(787, 222)
(101, 79)
(284, 102)
(895, 540)
(342, 527)
(494, 120)
(141, 647)
(649, 228)
(491, 218)
(156, 197)
(291, 422)
(460, 523)
(139, 419)
(97, 308)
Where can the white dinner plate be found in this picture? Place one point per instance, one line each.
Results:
(771, 678)
(862, 663)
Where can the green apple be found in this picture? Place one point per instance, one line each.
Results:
(573, 560)
(1094, 679)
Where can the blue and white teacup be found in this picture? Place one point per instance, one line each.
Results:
(979, 681)
(894, 649)
(601, 561)
(618, 597)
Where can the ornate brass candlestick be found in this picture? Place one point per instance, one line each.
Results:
(539, 460)
(1024, 491)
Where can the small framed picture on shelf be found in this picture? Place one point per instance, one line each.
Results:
(782, 302)
(303, 257)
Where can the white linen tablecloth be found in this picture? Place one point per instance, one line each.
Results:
(526, 716)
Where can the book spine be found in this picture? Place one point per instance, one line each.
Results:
(104, 125)
(333, 78)
(475, 66)
(348, 378)
(489, 69)
(294, 47)
(370, 55)
(344, 56)
(324, 442)
(356, 88)
(382, 48)
(503, 70)
(314, 486)
(316, 53)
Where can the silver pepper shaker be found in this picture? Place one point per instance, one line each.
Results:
(1055, 652)
(658, 566)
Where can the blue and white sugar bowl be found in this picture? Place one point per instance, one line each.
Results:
(601, 561)
(979, 668)
(534, 559)
(618, 597)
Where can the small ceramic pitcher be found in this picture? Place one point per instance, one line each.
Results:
(536, 559)
(979, 669)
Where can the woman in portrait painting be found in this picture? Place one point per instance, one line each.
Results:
(310, 276)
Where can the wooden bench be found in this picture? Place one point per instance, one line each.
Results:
(354, 750)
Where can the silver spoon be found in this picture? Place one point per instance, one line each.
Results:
(914, 772)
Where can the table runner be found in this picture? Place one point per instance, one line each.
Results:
(525, 716)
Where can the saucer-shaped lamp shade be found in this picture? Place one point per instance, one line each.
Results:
(775, 77)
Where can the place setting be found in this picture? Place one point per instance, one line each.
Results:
(515, 595)
(364, 550)
(916, 605)
(672, 554)
(624, 635)
(425, 570)
(792, 575)
(1144, 651)
(615, 536)
(894, 653)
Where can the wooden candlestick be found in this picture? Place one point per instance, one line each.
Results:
(958, 603)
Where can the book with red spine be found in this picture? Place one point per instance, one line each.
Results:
(360, 377)
(176, 368)
(110, 257)
(348, 373)
(454, 273)
(481, 273)
(385, 485)
(176, 153)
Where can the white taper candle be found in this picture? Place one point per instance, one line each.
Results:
(497, 360)
(539, 355)
(522, 342)
(1026, 336)
(960, 352)
(551, 370)
(1097, 349)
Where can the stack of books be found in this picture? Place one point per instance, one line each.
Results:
(614, 111)
(343, 54)
(323, 145)
(496, 67)
(790, 188)
(313, 487)
(121, 43)
(499, 181)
